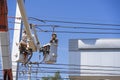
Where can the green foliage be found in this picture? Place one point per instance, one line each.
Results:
(56, 76)
(45, 78)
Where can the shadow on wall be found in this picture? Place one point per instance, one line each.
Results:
(89, 42)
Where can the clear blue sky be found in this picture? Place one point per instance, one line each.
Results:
(93, 11)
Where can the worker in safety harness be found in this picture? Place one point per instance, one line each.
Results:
(23, 45)
(54, 38)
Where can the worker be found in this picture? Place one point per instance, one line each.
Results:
(54, 38)
(23, 45)
(45, 49)
(23, 42)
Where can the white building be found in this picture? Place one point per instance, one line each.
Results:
(94, 59)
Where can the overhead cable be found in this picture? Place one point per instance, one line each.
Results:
(60, 64)
(81, 32)
(72, 22)
(76, 27)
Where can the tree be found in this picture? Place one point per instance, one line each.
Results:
(56, 76)
(45, 78)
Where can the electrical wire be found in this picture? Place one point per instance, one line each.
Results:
(60, 64)
(68, 72)
(73, 32)
(76, 72)
(12, 22)
(82, 67)
(78, 32)
(65, 72)
(71, 22)
(115, 70)
(74, 27)
(69, 65)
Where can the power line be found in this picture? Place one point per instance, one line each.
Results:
(14, 22)
(69, 72)
(71, 22)
(85, 23)
(74, 27)
(82, 67)
(74, 65)
(75, 32)
(118, 70)
(74, 72)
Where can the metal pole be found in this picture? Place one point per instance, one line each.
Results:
(29, 72)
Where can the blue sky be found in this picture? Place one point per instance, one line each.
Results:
(93, 11)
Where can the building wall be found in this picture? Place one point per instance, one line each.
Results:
(103, 62)
(94, 77)
(96, 57)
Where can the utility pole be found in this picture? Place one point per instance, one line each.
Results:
(4, 42)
